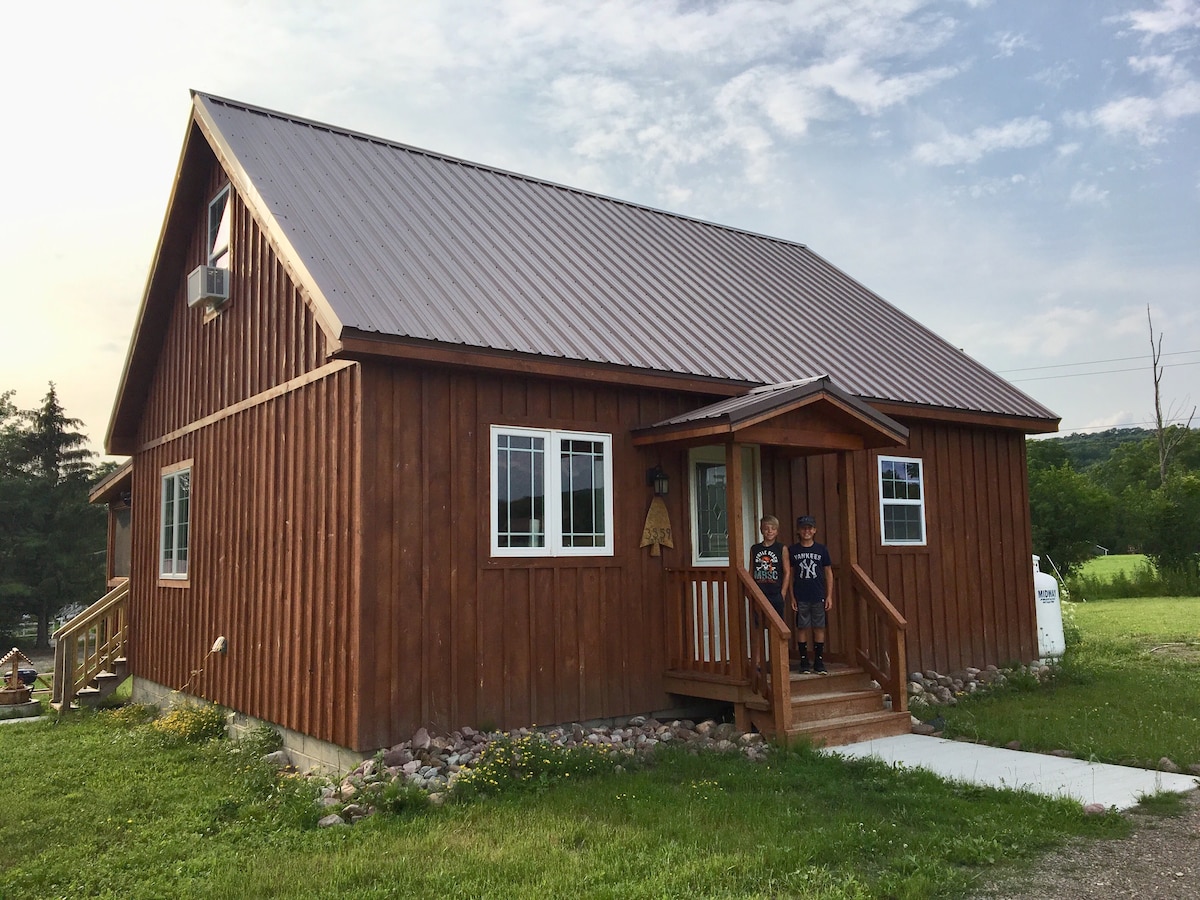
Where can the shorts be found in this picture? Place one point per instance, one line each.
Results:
(776, 600)
(810, 615)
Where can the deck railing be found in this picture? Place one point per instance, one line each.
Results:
(743, 642)
(89, 643)
(880, 638)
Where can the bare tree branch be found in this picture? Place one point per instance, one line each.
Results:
(1168, 440)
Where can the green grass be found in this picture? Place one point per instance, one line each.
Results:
(1128, 690)
(1107, 567)
(98, 806)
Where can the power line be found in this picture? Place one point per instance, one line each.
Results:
(1101, 372)
(1094, 362)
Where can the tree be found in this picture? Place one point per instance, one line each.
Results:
(1067, 511)
(1168, 438)
(52, 541)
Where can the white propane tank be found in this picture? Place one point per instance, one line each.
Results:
(1049, 613)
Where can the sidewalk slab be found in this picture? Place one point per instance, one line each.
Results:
(1087, 782)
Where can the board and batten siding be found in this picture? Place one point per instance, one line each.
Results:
(264, 336)
(452, 637)
(968, 593)
(271, 429)
(273, 562)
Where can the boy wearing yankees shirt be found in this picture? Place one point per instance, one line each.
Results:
(812, 592)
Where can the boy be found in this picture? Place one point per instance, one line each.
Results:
(769, 565)
(812, 591)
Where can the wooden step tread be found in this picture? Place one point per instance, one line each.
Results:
(852, 729)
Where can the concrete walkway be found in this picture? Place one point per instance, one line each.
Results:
(1052, 776)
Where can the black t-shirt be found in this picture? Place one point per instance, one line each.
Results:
(808, 571)
(766, 567)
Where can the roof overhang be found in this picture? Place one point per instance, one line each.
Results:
(801, 417)
(117, 482)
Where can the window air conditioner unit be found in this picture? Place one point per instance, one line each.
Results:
(207, 284)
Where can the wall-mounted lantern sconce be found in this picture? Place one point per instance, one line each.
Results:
(658, 480)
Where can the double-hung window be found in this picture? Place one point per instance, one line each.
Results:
(901, 501)
(175, 512)
(551, 493)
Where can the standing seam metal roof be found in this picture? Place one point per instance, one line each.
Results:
(404, 242)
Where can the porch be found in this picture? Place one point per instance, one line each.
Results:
(725, 640)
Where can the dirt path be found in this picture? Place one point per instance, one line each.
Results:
(1160, 859)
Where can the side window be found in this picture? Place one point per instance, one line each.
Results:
(551, 493)
(174, 522)
(901, 501)
(218, 230)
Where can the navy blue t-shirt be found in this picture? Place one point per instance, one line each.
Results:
(766, 567)
(808, 571)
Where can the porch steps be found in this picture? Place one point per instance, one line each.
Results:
(101, 686)
(843, 707)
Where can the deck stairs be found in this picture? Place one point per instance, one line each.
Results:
(89, 652)
(843, 707)
(101, 685)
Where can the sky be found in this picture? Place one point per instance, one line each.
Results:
(1021, 176)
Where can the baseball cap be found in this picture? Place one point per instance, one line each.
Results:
(801, 521)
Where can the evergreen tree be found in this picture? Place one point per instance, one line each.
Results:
(52, 542)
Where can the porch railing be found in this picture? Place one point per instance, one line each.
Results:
(880, 638)
(745, 641)
(89, 643)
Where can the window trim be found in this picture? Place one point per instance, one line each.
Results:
(552, 511)
(885, 502)
(167, 474)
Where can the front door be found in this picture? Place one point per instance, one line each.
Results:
(709, 520)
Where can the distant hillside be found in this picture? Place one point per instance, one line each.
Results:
(1085, 450)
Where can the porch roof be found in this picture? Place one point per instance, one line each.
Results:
(809, 414)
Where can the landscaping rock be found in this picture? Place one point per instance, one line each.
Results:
(333, 820)
(1166, 765)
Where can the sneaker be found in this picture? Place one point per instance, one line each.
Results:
(819, 667)
(804, 667)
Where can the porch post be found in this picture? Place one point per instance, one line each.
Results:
(737, 556)
(845, 592)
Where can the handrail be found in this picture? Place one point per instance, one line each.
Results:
(768, 652)
(881, 649)
(722, 627)
(87, 645)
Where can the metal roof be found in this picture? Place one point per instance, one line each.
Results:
(771, 399)
(403, 242)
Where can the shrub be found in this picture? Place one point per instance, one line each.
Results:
(191, 723)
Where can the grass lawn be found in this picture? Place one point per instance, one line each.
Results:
(1128, 690)
(1105, 567)
(97, 808)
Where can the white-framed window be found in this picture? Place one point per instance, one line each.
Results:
(175, 517)
(901, 501)
(551, 492)
(218, 229)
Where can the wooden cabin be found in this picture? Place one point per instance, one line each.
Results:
(395, 422)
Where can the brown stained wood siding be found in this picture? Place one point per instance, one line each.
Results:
(451, 637)
(265, 336)
(273, 562)
(968, 594)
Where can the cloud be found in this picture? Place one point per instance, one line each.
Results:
(1007, 44)
(1148, 119)
(1170, 17)
(1087, 195)
(954, 149)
